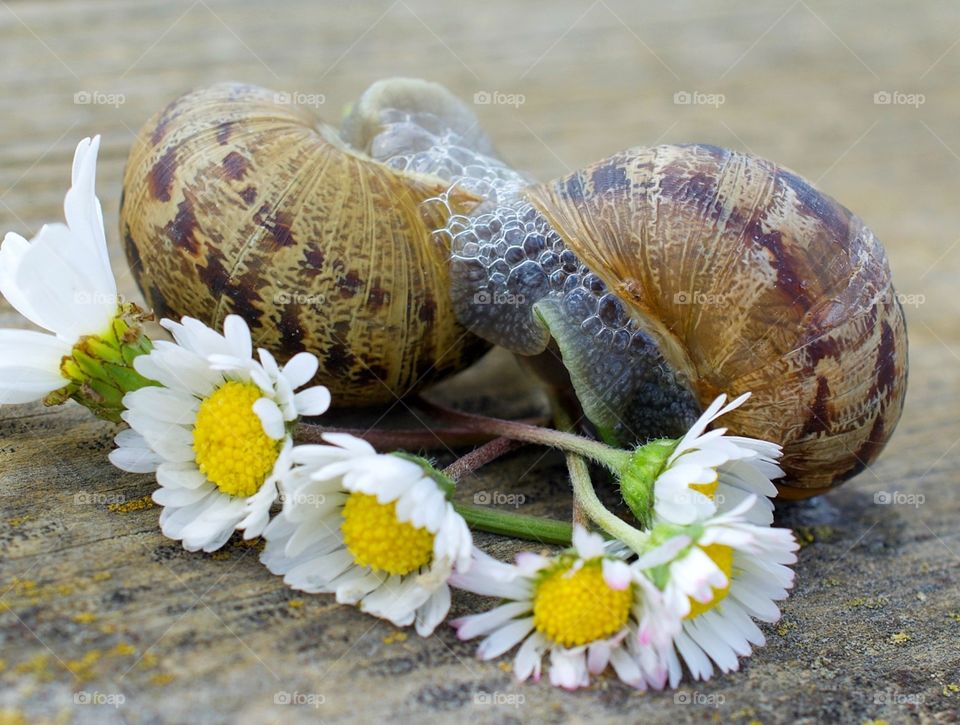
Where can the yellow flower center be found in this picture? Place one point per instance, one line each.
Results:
(230, 446)
(574, 609)
(376, 539)
(722, 556)
(707, 489)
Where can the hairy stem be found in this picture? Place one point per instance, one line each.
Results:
(613, 458)
(480, 457)
(586, 501)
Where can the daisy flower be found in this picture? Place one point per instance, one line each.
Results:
(375, 529)
(719, 576)
(217, 429)
(703, 473)
(586, 607)
(61, 281)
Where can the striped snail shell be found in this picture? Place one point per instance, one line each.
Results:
(237, 201)
(667, 275)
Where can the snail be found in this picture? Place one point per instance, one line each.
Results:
(663, 276)
(236, 201)
(659, 277)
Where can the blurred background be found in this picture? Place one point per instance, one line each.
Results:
(859, 99)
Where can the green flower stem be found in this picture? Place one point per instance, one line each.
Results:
(498, 521)
(521, 526)
(586, 501)
(613, 458)
(589, 503)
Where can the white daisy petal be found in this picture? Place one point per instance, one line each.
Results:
(312, 401)
(237, 334)
(729, 571)
(300, 369)
(271, 418)
(687, 489)
(310, 549)
(166, 437)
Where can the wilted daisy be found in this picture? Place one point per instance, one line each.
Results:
(375, 529)
(217, 429)
(585, 607)
(702, 473)
(720, 576)
(61, 280)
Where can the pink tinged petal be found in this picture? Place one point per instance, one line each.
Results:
(568, 669)
(588, 545)
(504, 638)
(237, 335)
(627, 669)
(271, 418)
(312, 401)
(530, 563)
(616, 573)
(300, 369)
(475, 625)
(528, 659)
(598, 655)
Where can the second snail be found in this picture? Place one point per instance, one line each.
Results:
(400, 246)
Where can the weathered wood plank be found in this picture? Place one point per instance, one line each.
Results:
(93, 599)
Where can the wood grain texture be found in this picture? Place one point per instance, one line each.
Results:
(93, 599)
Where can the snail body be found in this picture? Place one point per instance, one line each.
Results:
(670, 274)
(237, 202)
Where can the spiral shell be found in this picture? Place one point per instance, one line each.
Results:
(236, 202)
(670, 274)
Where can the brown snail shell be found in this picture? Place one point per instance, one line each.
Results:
(237, 203)
(722, 273)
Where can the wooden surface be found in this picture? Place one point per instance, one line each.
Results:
(94, 600)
